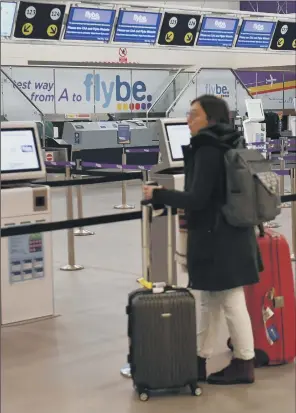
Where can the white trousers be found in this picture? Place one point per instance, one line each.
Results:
(233, 304)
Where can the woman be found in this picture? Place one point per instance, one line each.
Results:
(221, 259)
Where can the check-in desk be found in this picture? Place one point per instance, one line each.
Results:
(169, 172)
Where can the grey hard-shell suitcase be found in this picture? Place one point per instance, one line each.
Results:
(161, 330)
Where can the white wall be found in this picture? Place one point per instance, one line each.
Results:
(17, 53)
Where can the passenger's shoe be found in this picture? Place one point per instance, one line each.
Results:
(201, 369)
(238, 372)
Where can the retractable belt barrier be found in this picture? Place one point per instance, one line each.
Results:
(98, 220)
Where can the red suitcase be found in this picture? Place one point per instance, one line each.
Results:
(271, 303)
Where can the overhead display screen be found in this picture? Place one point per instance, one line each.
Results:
(216, 31)
(255, 34)
(7, 18)
(284, 36)
(89, 24)
(39, 21)
(19, 151)
(178, 29)
(178, 136)
(137, 27)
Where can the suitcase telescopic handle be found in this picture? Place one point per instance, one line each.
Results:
(146, 211)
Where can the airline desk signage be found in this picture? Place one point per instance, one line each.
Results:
(216, 31)
(39, 21)
(123, 135)
(255, 34)
(89, 24)
(178, 29)
(285, 36)
(137, 27)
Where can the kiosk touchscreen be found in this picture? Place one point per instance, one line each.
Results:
(172, 135)
(254, 129)
(21, 156)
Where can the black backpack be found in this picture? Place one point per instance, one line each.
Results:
(272, 121)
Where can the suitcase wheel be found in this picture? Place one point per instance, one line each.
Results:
(144, 396)
(196, 391)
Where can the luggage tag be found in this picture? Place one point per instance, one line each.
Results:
(267, 314)
(273, 333)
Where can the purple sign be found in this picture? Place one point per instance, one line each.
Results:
(137, 27)
(217, 31)
(255, 34)
(276, 7)
(89, 24)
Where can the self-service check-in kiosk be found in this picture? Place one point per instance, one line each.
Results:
(169, 172)
(254, 129)
(26, 260)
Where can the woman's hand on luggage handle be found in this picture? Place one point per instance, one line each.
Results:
(148, 191)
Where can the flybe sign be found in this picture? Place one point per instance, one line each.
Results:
(118, 90)
(88, 91)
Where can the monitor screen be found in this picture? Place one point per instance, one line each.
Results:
(7, 18)
(255, 109)
(255, 34)
(217, 31)
(137, 27)
(178, 136)
(19, 151)
(89, 24)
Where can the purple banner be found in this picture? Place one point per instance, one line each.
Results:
(276, 7)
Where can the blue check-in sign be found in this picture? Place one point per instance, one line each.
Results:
(124, 135)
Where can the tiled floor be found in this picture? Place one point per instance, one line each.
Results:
(70, 364)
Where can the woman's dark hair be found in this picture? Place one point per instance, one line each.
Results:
(216, 109)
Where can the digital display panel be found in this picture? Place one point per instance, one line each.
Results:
(19, 152)
(255, 34)
(137, 27)
(41, 21)
(89, 24)
(216, 31)
(7, 18)
(179, 29)
(178, 136)
(284, 36)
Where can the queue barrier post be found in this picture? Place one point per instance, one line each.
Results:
(71, 266)
(271, 224)
(283, 153)
(293, 215)
(80, 232)
(123, 204)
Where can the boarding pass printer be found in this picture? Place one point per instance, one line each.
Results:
(169, 172)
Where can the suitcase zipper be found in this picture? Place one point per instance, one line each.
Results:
(280, 292)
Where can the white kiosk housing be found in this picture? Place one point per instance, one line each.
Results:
(26, 260)
(169, 172)
(254, 129)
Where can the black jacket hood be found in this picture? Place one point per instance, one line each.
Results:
(216, 135)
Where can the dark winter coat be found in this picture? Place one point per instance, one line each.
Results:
(219, 256)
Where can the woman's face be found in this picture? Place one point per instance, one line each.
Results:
(197, 119)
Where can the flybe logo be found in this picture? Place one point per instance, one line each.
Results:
(259, 27)
(92, 15)
(119, 91)
(217, 90)
(220, 24)
(139, 18)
